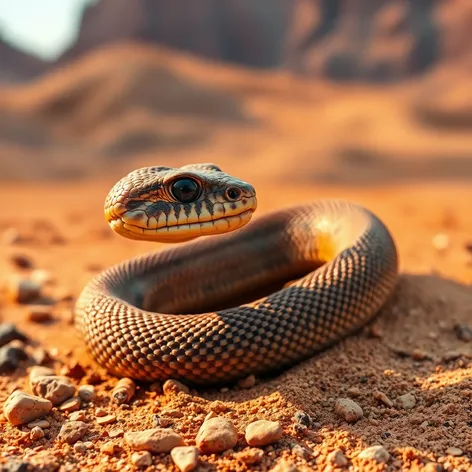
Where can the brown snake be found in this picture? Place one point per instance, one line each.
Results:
(317, 271)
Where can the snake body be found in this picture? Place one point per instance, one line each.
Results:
(256, 300)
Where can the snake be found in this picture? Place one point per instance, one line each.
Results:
(232, 296)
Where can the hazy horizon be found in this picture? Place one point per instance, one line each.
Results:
(44, 28)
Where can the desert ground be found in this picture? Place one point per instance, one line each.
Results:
(389, 149)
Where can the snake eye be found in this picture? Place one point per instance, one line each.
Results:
(233, 193)
(185, 190)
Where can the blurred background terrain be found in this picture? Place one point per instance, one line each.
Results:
(331, 91)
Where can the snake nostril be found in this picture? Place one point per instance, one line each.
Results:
(233, 193)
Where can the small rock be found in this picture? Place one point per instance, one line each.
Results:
(216, 435)
(110, 448)
(432, 467)
(348, 409)
(451, 356)
(354, 392)
(116, 433)
(15, 465)
(22, 290)
(10, 358)
(407, 401)
(419, 355)
(40, 314)
(43, 424)
(263, 432)
(86, 392)
(42, 277)
(77, 416)
(104, 420)
(250, 455)
(173, 413)
(100, 412)
(155, 440)
(141, 459)
(21, 261)
(72, 431)
(80, 447)
(174, 387)
(21, 407)
(9, 333)
(441, 242)
(463, 332)
(53, 387)
(454, 451)
(337, 458)
(185, 458)
(302, 418)
(36, 433)
(381, 397)
(123, 391)
(377, 453)
(71, 405)
(248, 382)
(299, 451)
(39, 371)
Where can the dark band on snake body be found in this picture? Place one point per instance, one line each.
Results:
(187, 312)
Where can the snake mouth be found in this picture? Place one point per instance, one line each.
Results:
(180, 232)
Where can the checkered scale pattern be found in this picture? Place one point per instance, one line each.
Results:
(129, 315)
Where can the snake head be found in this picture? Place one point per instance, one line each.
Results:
(166, 204)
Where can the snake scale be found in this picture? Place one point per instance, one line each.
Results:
(255, 300)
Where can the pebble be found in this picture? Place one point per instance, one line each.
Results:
(41, 356)
(377, 453)
(216, 435)
(21, 261)
(10, 358)
(248, 382)
(174, 387)
(9, 333)
(185, 457)
(432, 467)
(463, 332)
(250, 455)
(285, 466)
(123, 391)
(40, 314)
(55, 388)
(21, 290)
(451, 355)
(100, 412)
(80, 447)
(141, 459)
(381, 397)
(348, 409)
(263, 433)
(441, 242)
(454, 451)
(72, 431)
(154, 440)
(39, 371)
(337, 458)
(36, 433)
(77, 416)
(71, 405)
(110, 448)
(104, 420)
(21, 407)
(302, 418)
(44, 424)
(116, 433)
(407, 401)
(42, 277)
(86, 392)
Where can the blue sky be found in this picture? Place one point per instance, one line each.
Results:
(42, 27)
